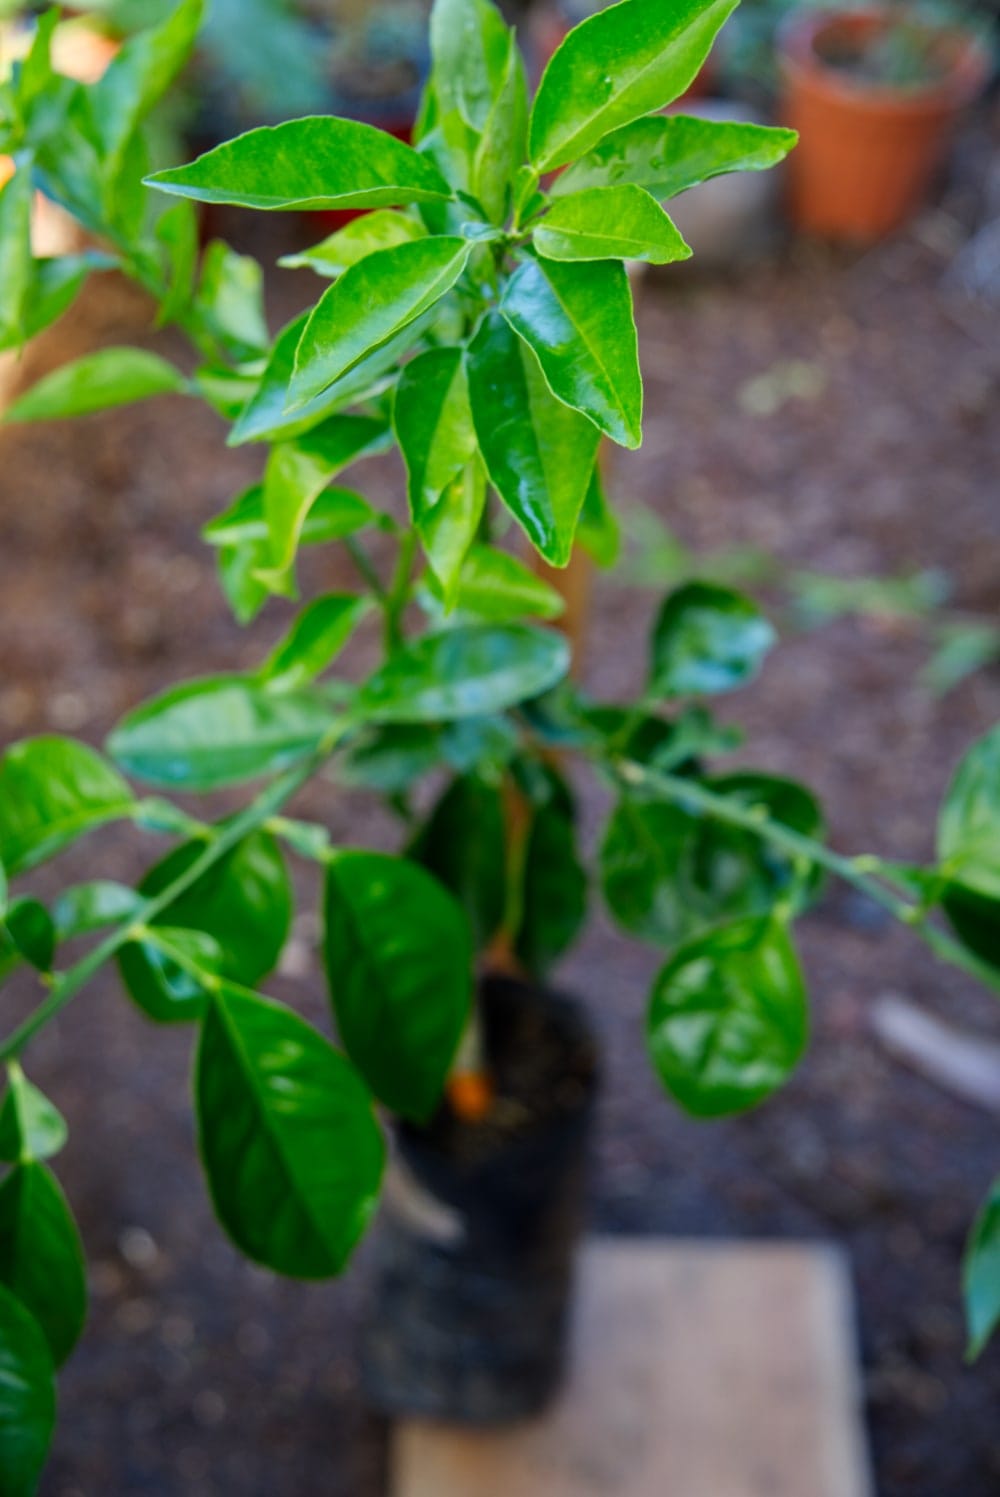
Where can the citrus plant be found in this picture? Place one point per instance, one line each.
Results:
(478, 316)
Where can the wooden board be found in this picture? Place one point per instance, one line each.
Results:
(699, 1370)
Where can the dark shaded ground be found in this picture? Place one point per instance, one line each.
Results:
(199, 1375)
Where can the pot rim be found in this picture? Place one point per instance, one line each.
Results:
(969, 71)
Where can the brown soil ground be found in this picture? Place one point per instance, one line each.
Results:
(200, 1375)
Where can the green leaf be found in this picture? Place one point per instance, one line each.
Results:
(287, 1136)
(371, 304)
(539, 454)
(620, 64)
(553, 897)
(138, 77)
(319, 162)
(502, 146)
(448, 530)
(463, 844)
(728, 1020)
(356, 241)
(27, 934)
(171, 973)
(335, 514)
(41, 1257)
(668, 153)
(981, 1274)
(27, 1399)
(239, 566)
(85, 908)
(297, 473)
(242, 905)
(497, 586)
(98, 381)
(609, 223)
(264, 418)
(969, 824)
(578, 320)
(707, 639)
(433, 424)
(16, 198)
(465, 672)
(398, 959)
(316, 638)
(469, 46)
(599, 532)
(54, 285)
(390, 759)
(231, 301)
(30, 1126)
(667, 874)
(975, 918)
(52, 790)
(221, 730)
(177, 233)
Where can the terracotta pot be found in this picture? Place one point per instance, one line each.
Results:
(867, 152)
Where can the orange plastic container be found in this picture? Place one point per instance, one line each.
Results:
(867, 152)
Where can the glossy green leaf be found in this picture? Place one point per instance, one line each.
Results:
(233, 921)
(30, 1126)
(138, 77)
(390, 759)
(502, 146)
(288, 1140)
(177, 234)
(230, 301)
(221, 730)
(668, 153)
(52, 790)
(667, 874)
(316, 638)
(398, 959)
(171, 973)
(981, 1274)
(553, 899)
(98, 381)
(239, 566)
(370, 305)
(578, 321)
(335, 514)
(318, 162)
(495, 585)
(539, 454)
(599, 532)
(609, 223)
(297, 473)
(16, 198)
(463, 844)
(85, 908)
(469, 43)
(465, 672)
(620, 64)
(433, 424)
(448, 530)
(969, 824)
(264, 418)
(54, 285)
(728, 1020)
(27, 1399)
(41, 1257)
(27, 934)
(707, 639)
(356, 241)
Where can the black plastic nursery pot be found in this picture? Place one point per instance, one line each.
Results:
(475, 1246)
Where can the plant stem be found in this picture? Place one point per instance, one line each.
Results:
(364, 564)
(861, 872)
(67, 984)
